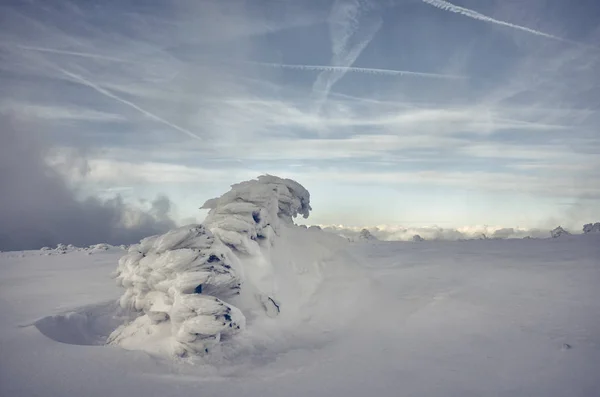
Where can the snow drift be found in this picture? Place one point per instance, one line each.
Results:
(197, 285)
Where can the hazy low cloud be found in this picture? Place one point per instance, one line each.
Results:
(399, 233)
(39, 208)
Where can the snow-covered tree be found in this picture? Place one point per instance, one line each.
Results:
(559, 231)
(185, 284)
(591, 228)
(366, 235)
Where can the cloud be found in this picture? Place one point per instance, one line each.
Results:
(400, 233)
(81, 80)
(549, 185)
(127, 84)
(447, 6)
(107, 172)
(551, 177)
(74, 53)
(344, 69)
(40, 209)
(57, 113)
(352, 26)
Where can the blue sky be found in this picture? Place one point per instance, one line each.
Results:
(407, 112)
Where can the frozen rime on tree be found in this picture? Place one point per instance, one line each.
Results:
(183, 283)
(365, 235)
(559, 231)
(591, 228)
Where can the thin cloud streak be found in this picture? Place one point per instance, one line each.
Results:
(145, 112)
(75, 53)
(446, 6)
(373, 71)
(346, 21)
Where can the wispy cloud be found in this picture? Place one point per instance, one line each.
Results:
(562, 186)
(349, 96)
(58, 113)
(352, 26)
(447, 6)
(344, 69)
(73, 53)
(81, 80)
(437, 233)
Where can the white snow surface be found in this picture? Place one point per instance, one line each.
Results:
(438, 318)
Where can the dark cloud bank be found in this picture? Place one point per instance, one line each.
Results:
(38, 207)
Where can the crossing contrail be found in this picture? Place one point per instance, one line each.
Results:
(352, 26)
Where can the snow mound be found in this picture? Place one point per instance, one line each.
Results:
(591, 228)
(196, 285)
(559, 231)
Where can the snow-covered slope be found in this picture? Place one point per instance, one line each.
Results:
(488, 317)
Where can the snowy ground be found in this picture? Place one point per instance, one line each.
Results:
(464, 318)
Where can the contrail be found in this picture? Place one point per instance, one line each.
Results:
(446, 6)
(351, 31)
(109, 94)
(375, 71)
(73, 53)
